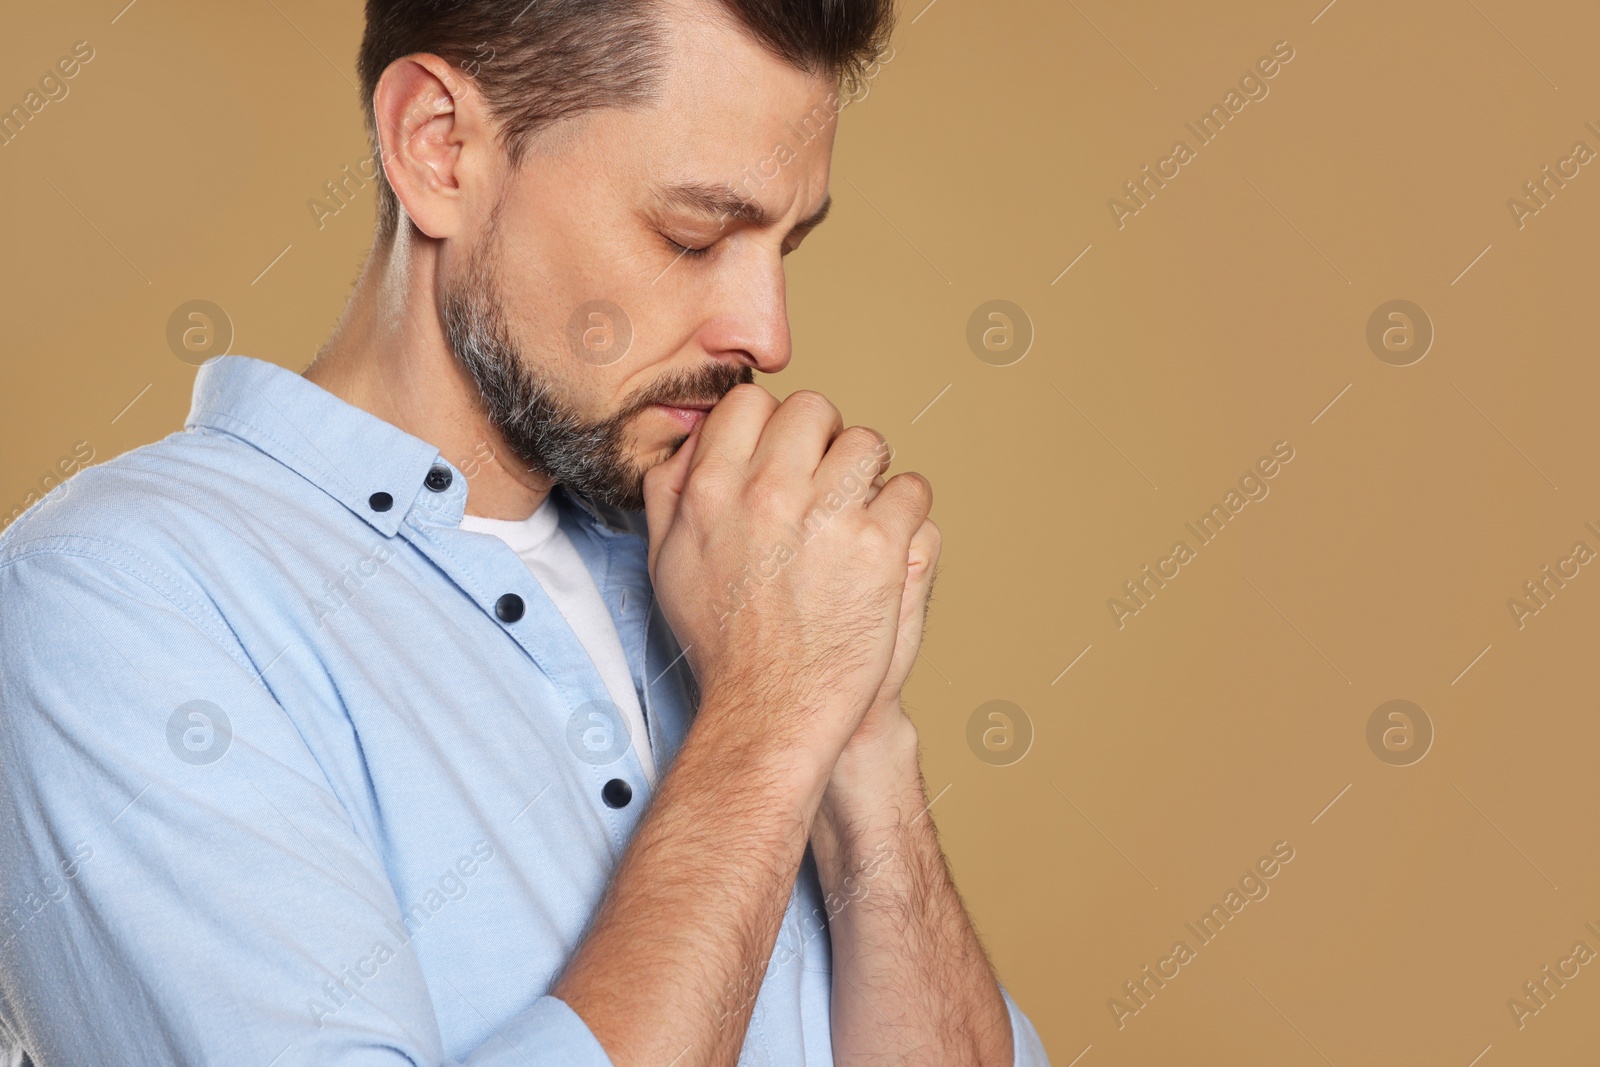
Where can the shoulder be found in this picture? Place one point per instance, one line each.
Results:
(155, 521)
(152, 491)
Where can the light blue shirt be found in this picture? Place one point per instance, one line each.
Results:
(297, 771)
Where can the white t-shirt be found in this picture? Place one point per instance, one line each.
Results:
(541, 544)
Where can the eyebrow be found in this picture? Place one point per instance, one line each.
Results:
(721, 202)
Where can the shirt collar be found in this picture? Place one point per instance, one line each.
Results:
(352, 455)
(607, 517)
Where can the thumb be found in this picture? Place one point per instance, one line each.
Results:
(663, 488)
(924, 554)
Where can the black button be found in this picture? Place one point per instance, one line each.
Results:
(509, 607)
(380, 501)
(438, 479)
(616, 793)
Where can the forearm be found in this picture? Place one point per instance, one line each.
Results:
(672, 963)
(911, 983)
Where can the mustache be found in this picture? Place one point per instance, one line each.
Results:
(705, 384)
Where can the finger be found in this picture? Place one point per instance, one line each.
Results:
(922, 561)
(903, 504)
(872, 489)
(798, 434)
(858, 456)
(729, 434)
(663, 488)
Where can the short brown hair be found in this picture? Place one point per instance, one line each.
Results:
(538, 61)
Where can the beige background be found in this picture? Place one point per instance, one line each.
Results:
(1221, 319)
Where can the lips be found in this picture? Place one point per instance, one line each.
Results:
(686, 415)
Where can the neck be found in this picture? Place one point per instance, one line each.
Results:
(389, 357)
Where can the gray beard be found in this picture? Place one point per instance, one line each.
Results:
(544, 431)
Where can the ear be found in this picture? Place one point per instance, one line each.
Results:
(440, 153)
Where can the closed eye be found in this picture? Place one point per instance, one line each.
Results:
(685, 250)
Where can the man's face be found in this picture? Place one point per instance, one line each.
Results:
(596, 341)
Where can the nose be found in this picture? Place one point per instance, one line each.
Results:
(751, 324)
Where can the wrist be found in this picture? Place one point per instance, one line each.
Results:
(742, 735)
(875, 790)
(879, 761)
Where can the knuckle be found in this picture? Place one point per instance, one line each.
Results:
(923, 491)
(912, 489)
(854, 485)
(766, 499)
(855, 437)
(875, 538)
(811, 402)
(752, 394)
(700, 491)
(862, 439)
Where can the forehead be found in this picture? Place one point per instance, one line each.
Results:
(728, 109)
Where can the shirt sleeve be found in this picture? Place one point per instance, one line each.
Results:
(178, 882)
(1028, 1050)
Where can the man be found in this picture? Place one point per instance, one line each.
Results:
(479, 697)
